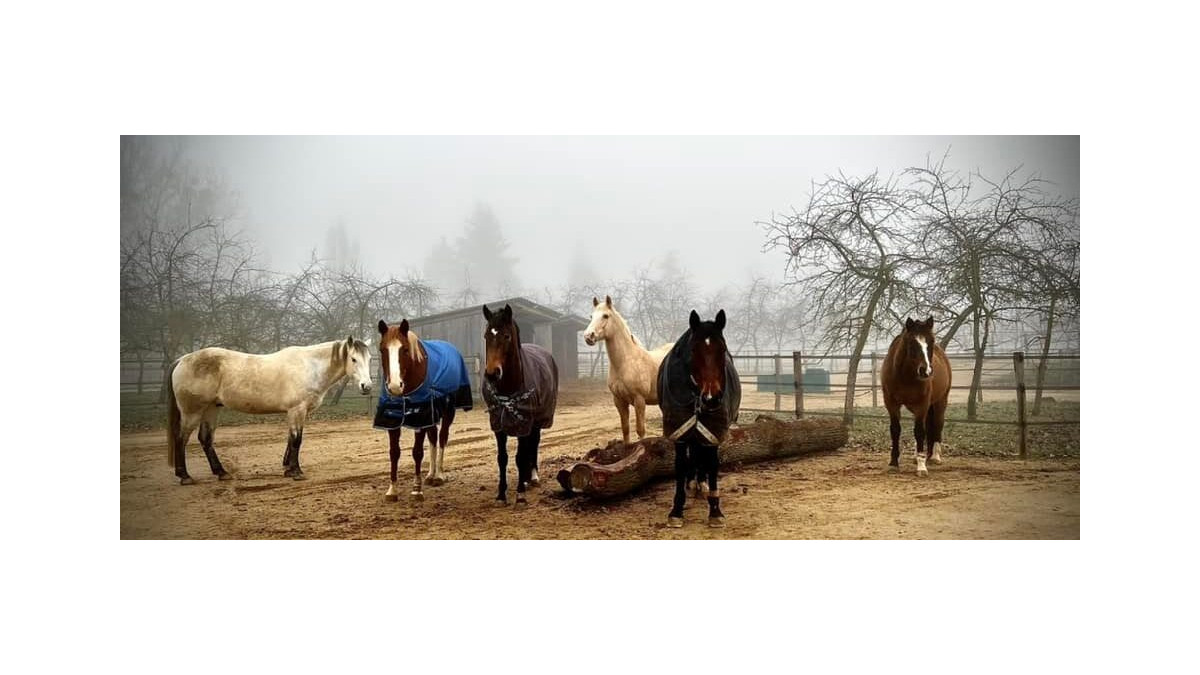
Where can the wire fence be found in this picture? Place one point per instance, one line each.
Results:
(816, 385)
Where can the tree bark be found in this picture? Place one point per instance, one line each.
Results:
(856, 354)
(977, 375)
(617, 469)
(1041, 371)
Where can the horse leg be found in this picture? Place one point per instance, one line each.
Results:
(523, 462)
(394, 454)
(936, 421)
(919, 432)
(187, 424)
(207, 426)
(418, 453)
(437, 449)
(535, 440)
(502, 462)
(682, 470)
(894, 414)
(623, 411)
(715, 517)
(295, 438)
(639, 407)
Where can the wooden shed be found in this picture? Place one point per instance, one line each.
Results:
(539, 324)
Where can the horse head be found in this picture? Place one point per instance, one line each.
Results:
(918, 347)
(602, 316)
(402, 356)
(356, 356)
(502, 339)
(708, 357)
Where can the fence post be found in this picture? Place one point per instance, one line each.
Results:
(1019, 370)
(874, 378)
(798, 381)
(778, 384)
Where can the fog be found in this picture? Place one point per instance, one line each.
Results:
(614, 202)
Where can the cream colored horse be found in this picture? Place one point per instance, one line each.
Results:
(292, 380)
(632, 370)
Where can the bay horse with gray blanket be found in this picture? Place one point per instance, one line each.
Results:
(699, 395)
(916, 374)
(293, 380)
(425, 382)
(520, 388)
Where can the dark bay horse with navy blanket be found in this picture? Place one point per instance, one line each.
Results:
(699, 395)
(520, 388)
(425, 382)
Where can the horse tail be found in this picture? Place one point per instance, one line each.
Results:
(173, 417)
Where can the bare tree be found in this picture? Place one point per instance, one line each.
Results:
(848, 252)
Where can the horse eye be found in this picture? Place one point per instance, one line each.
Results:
(354, 359)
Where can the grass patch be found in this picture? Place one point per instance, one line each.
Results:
(961, 437)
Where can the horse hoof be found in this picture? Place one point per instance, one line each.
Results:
(716, 521)
(893, 468)
(501, 501)
(391, 498)
(535, 482)
(936, 460)
(922, 472)
(672, 521)
(187, 480)
(417, 496)
(521, 503)
(297, 476)
(434, 480)
(225, 476)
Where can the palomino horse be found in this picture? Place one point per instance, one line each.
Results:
(699, 395)
(425, 381)
(520, 388)
(292, 380)
(632, 370)
(916, 374)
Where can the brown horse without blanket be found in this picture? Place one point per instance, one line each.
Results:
(916, 375)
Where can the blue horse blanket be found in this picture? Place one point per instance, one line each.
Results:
(447, 385)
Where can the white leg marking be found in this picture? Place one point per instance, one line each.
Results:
(392, 489)
(937, 453)
(921, 469)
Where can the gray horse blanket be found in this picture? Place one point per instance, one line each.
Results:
(446, 385)
(534, 401)
(679, 399)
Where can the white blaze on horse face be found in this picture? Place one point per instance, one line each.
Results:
(395, 383)
(925, 355)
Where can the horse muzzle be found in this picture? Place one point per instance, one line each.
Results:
(365, 389)
(590, 339)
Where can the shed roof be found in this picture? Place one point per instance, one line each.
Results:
(524, 305)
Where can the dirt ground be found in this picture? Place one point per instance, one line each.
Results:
(843, 494)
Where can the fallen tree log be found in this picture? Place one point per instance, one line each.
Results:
(617, 468)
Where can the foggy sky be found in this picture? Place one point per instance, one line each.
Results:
(627, 199)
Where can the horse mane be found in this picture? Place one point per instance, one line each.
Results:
(414, 344)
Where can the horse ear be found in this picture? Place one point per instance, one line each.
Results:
(929, 321)
(694, 319)
(367, 342)
(721, 320)
(908, 325)
(404, 327)
(487, 313)
(608, 300)
(595, 302)
(382, 327)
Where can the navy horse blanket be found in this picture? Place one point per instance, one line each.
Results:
(684, 419)
(446, 385)
(533, 403)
